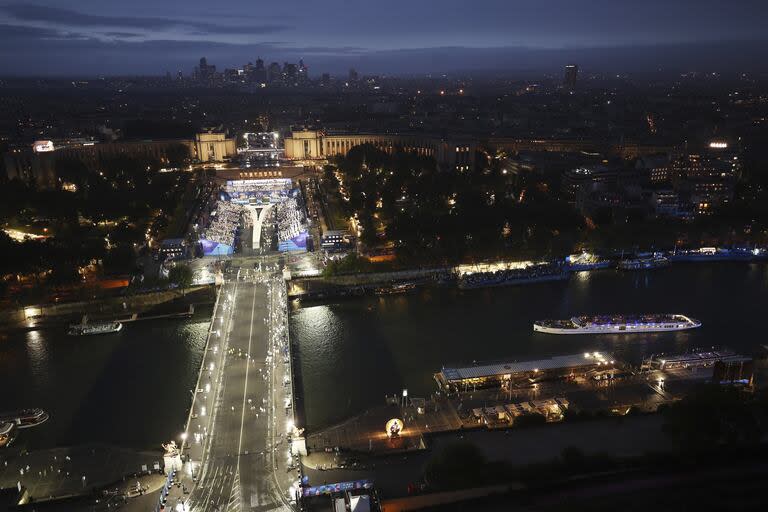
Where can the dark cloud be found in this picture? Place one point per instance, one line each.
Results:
(30, 51)
(25, 34)
(324, 50)
(26, 51)
(404, 37)
(122, 35)
(70, 18)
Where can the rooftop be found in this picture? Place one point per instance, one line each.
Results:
(715, 355)
(553, 363)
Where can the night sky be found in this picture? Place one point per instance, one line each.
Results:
(72, 37)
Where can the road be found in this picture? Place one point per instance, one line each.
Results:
(236, 438)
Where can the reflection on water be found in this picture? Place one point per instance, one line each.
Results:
(129, 388)
(38, 357)
(354, 352)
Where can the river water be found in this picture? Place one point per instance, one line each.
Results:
(130, 388)
(133, 388)
(353, 352)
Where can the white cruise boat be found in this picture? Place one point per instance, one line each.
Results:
(94, 328)
(616, 324)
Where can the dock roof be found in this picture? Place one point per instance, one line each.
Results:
(553, 363)
(703, 357)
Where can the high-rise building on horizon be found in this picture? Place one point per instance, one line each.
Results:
(290, 73)
(205, 71)
(571, 73)
(260, 72)
(303, 72)
(274, 73)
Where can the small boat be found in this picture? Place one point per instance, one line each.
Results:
(720, 254)
(86, 329)
(396, 289)
(644, 263)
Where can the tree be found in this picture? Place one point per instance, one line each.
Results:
(177, 155)
(712, 414)
(457, 466)
(181, 276)
(119, 260)
(73, 170)
(63, 276)
(350, 264)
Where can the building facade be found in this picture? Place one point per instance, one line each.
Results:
(570, 76)
(213, 147)
(450, 154)
(455, 153)
(30, 165)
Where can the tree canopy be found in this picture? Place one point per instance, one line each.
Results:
(402, 198)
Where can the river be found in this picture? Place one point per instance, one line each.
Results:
(130, 388)
(353, 352)
(133, 388)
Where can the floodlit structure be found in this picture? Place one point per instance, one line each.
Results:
(214, 147)
(284, 202)
(497, 374)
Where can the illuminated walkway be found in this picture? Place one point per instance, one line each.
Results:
(257, 221)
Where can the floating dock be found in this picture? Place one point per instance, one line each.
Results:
(138, 317)
(497, 374)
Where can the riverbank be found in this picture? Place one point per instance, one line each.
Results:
(632, 436)
(49, 315)
(319, 288)
(391, 342)
(67, 472)
(356, 285)
(484, 409)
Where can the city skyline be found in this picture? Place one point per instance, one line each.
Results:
(39, 38)
(373, 256)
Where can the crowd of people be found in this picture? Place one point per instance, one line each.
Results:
(258, 191)
(290, 219)
(224, 223)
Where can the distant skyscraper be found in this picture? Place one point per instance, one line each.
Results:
(303, 72)
(290, 73)
(571, 73)
(260, 72)
(275, 72)
(352, 75)
(204, 71)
